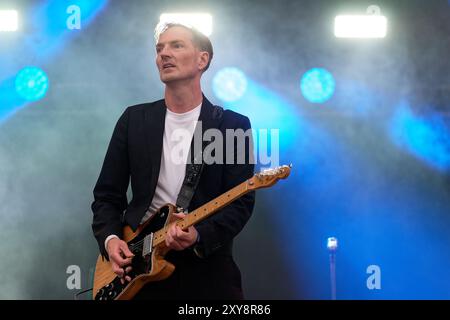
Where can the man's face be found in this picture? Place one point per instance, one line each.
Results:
(177, 58)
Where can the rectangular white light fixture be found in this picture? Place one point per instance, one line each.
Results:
(8, 20)
(360, 26)
(200, 21)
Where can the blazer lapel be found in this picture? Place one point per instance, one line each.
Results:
(209, 115)
(154, 119)
(154, 123)
(209, 118)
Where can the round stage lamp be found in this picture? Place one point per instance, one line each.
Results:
(31, 83)
(229, 84)
(317, 85)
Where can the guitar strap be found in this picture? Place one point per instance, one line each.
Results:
(194, 169)
(190, 183)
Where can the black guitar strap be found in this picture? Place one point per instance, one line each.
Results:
(193, 171)
(190, 183)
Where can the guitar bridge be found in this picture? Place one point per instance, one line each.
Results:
(147, 245)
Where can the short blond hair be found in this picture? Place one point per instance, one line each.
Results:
(200, 40)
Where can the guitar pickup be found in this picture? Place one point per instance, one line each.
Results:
(147, 245)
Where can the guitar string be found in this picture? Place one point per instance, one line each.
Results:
(137, 244)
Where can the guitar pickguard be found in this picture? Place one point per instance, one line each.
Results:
(141, 265)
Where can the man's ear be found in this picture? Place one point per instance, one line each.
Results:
(203, 60)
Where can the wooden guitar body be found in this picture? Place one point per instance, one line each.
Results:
(151, 267)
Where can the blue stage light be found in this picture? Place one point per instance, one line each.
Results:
(317, 85)
(31, 83)
(229, 84)
(426, 137)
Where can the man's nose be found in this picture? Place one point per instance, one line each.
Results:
(164, 53)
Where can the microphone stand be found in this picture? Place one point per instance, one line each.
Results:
(332, 247)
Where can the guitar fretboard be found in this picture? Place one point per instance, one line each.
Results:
(205, 210)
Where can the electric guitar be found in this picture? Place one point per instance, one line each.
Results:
(147, 243)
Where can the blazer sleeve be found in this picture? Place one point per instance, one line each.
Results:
(224, 225)
(110, 199)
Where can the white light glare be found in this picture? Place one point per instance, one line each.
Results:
(332, 243)
(360, 26)
(200, 21)
(8, 20)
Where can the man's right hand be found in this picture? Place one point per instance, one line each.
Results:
(120, 258)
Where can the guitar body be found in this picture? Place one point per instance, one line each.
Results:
(152, 267)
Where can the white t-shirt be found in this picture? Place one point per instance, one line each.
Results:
(178, 131)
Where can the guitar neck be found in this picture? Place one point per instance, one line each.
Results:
(205, 210)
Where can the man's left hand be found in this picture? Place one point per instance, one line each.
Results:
(178, 239)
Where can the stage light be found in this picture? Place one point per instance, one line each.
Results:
(8, 20)
(31, 83)
(317, 85)
(426, 137)
(332, 244)
(360, 27)
(229, 84)
(200, 21)
(371, 25)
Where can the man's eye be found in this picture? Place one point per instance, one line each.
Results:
(178, 45)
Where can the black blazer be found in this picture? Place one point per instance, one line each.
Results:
(135, 152)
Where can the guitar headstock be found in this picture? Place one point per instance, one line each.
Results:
(269, 177)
